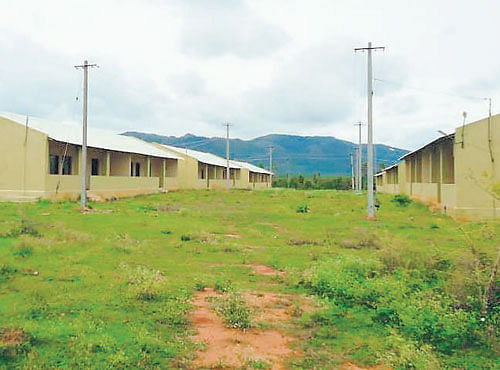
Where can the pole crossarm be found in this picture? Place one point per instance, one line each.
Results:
(370, 48)
(87, 65)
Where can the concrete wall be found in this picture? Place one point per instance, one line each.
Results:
(461, 176)
(23, 161)
(477, 174)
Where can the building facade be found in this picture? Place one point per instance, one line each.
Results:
(201, 170)
(43, 159)
(457, 173)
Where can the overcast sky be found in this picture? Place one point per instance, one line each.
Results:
(271, 66)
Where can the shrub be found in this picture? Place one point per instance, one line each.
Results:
(234, 311)
(401, 200)
(25, 228)
(303, 208)
(145, 284)
(223, 286)
(23, 251)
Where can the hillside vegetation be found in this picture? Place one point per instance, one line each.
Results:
(291, 154)
(112, 287)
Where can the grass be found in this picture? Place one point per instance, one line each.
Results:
(111, 288)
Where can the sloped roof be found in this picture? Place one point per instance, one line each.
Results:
(96, 138)
(436, 141)
(203, 157)
(252, 168)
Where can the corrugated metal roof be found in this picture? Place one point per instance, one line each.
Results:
(203, 157)
(252, 168)
(439, 139)
(96, 138)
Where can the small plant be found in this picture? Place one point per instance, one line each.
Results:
(234, 311)
(23, 251)
(401, 200)
(200, 285)
(166, 232)
(145, 284)
(303, 208)
(25, 228)
(185, 238)
(259, 364)
(434, 226)
(223, 286)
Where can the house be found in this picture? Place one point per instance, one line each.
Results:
(42, 159)
(458, 173)
(201, 170)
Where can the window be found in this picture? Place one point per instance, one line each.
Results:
(137, 169)
(66, 168)
(132, 169)
(95, 167)
(54, 164)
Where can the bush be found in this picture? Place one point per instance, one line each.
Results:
(303, 208)
(145, 284)
(401, 200)
(223, 286)
(234, 311)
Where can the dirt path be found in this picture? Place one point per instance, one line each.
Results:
(225, 347)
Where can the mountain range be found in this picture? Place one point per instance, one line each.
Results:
(292, 154)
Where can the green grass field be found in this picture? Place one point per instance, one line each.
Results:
(111, 288)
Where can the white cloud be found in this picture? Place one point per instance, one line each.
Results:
(284, 66)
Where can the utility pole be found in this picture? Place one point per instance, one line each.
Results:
(359, 158)
(369, 175)
(288, 172)
(83, 197)
(271, 165)
(352, 171)
(228, 170)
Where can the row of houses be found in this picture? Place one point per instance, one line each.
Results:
(457, 173)
(42, 159)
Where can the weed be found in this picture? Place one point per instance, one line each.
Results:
(185, 238)
(23, 251)
(144, 283)
(401, 200)
(233, 309)
(223, 286)
(25, 228)
(258, 364)
(200, 285)
(303, 208)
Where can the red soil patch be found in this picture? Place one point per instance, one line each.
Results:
(234, 348)
(13, 337)
(265, 270)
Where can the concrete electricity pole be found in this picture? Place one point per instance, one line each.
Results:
(271, 164)
(228, 170)
(369, 175)
(359, 174)
(83, 166)
(352, 171)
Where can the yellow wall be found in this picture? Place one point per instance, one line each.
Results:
(24, 161)
(477, 177)
(462, 176)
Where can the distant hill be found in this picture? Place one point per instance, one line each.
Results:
(294, 154)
